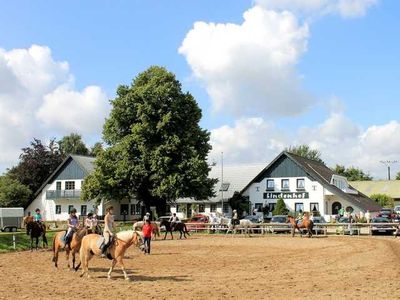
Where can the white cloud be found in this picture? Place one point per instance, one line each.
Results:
(341, 141)
(344, 8)
(250, 68)
(249, 140)
(38, 99)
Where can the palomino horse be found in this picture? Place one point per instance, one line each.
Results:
(139, 225)
(244, 224)
(306, 224)
(36, 230)
(181, 227)
(122, 241)
(59, 243)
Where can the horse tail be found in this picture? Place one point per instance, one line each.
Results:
(186, 231)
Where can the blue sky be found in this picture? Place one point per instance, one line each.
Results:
(106, 43)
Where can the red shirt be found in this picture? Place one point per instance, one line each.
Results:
(147, 230)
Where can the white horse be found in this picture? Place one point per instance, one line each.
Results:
(244, 225)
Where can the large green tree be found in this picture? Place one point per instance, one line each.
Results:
(97, 149)
(398, 176)
(73, 144)
(305, 151)
(280, 208)
(240, 203)
(37, 162)
(13, 193)
(157, 150)
(352, 173)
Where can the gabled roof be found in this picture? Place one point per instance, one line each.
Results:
(85, 162)
(236, 175)
(321, 173)
(388, 187)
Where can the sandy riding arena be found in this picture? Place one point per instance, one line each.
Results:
(204, 267)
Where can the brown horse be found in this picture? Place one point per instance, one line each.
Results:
(305, 224)
(59, 243)
(122, 241)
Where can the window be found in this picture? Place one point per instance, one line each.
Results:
(58, 209)
(58, 185)
(224, 186)
(178, 208)
(258, 206)
(213, 207)
(124, 208)
(168, 209)
(270, 184)
(349, 209)
(226, 208)
(202, 208)
(70, 185)
(285, 184)
(83, 210)
(299, 207)
(70, 207)
(135, 209)
(301, 184)
(314, 207)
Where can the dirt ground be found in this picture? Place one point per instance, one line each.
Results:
(218, 267)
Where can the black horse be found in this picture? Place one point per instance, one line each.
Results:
(36, 230)
(181, 227)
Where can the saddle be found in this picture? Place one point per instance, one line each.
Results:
(100, 243)
(235, 222)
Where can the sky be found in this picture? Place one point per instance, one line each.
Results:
(267, 74)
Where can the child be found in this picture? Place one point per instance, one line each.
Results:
(108, 231)
(147, 231)
(73, 225)
(38, 216)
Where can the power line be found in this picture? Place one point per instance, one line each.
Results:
(388, 163)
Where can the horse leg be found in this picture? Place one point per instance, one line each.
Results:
(165, 236)
(114, 262)
(37, 243)
(293, 231)
(172, 236)
(67, 257)
(73, 259)
(121, 262)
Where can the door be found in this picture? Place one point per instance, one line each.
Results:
(336, 206)
(188, 210)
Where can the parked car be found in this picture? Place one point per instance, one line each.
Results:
(397, 209)
(280, 224)
(383, 229)
(316, 221)
(387, 213)
(254, 219)
(197, 221)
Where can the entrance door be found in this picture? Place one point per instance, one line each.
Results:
(336, 206)
(188, 210)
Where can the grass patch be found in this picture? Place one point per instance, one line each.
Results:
(22, 240)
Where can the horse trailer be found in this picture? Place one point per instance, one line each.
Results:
(11, 218)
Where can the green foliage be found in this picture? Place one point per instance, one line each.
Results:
(352, 173)
(97, 149)
(73, 144)
(37, 162)
(398, 176)
(240, 203)
(13, 193)
(280, 208)
(305, 151)
(265, 210)
(157, 151)
(383, 200)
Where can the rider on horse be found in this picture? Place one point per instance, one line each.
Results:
(109, 229)
(73, 225)
(174, 219)
(235, 219)
(91, 222)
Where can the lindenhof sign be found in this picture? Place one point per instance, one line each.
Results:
(287, 195)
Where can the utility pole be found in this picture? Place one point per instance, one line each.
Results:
(388, 163)
(222, 182)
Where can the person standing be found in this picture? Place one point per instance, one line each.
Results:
(368, 216)
(146, 217)
(147, 231)
(235, 219)
(109, 229)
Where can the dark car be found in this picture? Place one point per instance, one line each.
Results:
(382, 228)
(387, 213)
(279, 223)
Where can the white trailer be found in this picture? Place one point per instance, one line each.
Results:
(11, 218)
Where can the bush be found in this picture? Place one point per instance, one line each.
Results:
(280, 208)
(383, 200)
